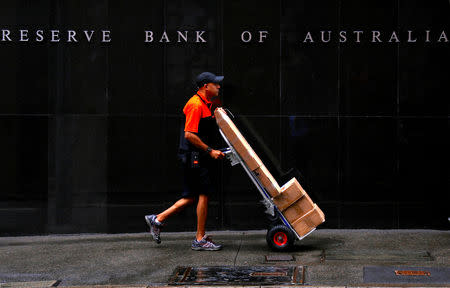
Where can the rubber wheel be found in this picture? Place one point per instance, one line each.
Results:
(280, 238)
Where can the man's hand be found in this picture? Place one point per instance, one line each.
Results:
(216, 154)
(197, 142)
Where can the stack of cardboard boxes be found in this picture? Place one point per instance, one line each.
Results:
(295, 204)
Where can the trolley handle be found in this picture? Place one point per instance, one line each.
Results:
(226, 151)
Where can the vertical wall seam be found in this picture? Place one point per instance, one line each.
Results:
(339, 156)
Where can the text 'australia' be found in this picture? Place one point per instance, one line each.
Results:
(375, 36)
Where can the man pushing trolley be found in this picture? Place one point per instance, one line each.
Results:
(295, 213)
(198, 135)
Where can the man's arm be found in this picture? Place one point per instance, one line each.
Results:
(197, 142)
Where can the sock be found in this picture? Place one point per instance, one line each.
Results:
(157, 222)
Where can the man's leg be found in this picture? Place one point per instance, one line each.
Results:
(201, 241)
(175, 208)
(155, 221)
(202, 212)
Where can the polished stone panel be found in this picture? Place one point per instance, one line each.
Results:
(368, 159)
(309, 76)
(91, 130)
(251, 68)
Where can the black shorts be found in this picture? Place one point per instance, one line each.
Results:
(197, 181)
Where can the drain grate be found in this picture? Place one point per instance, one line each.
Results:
(279, 258)
(239, 275)
(406, 275)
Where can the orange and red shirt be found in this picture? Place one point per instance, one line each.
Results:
(196, 109)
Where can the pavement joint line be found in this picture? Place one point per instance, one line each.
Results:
(239, 248)
(260, 286)
(30, 284)
(362, 285)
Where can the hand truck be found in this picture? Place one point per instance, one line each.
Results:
(280, 236)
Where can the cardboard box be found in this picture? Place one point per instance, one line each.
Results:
(299, 208)
(289, 194)
(309, 221)
(236, 139)
(291, 199)
(267, 180)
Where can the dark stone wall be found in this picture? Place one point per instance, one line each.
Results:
(90, 129)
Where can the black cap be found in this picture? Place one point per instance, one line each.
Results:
(207, 77)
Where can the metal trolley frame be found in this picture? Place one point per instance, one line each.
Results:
(272, 209)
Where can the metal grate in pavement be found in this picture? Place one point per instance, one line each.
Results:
(238, 275)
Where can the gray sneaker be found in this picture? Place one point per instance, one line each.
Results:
(155, 227)
(205, 244)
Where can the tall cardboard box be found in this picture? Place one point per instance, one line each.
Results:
(298, 208)
(309, 221)
(289, 194)
(267, 180)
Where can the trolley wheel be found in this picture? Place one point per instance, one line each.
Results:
(280, 238)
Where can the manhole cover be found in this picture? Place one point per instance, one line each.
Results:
(420, 275)
(240, 275)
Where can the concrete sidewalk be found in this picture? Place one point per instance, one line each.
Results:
(331, 257)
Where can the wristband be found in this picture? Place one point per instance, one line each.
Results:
(209, 149)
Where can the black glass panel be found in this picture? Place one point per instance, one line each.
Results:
(23, 198)
(24, 70)
(77, 174)
(424, 215)
(368, 80)
(24, 74)
(309, 70)
(368, 159)
(422, 63)
(136, 68)
(380, 216)
(78, 67)
(372, 13)
(24, 154)
(186, 59)
(251, 68)
(362, 125)
(423, 14)
(311, 147)
(422, 74)
(310, 81)
(368, 75)
(136, 151)
(423, 160)
(80, 92)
